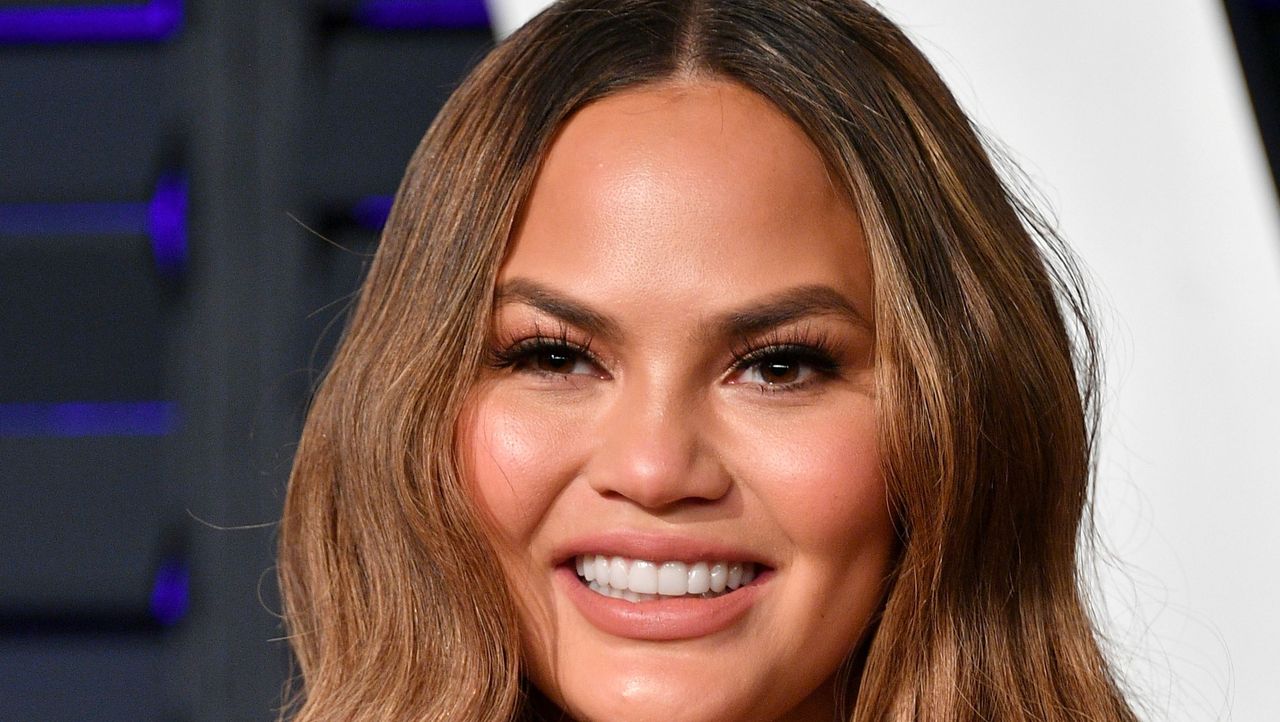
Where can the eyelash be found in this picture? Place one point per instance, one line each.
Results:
(511, 354)
(804, 346)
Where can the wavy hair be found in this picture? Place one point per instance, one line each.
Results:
(985, 369)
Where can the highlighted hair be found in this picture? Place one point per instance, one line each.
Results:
(985, 373)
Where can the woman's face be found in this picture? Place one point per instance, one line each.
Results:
(681, 410)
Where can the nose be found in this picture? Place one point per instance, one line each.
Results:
(654, 451)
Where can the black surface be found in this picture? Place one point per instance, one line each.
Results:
(1256, 27)
(99, 677)
(273, 111)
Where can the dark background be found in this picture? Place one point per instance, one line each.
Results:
(137, 526)
(153, 380)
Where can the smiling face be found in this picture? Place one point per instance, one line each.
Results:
(676, 441)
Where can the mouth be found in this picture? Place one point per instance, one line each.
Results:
(658, 587)
(644, 580)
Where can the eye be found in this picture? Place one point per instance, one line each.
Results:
(545, 356)
(778, 370)
(556, 359)
(783, 368)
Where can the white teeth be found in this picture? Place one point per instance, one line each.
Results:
(638, 580)
(618, 573)
(719, 576)
(734, 579)
(673, 579)
(644, 577)
(699, 578)
(630, 596)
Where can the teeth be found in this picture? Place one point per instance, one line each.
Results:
(699, 578)
(719, 576)
(643, 577)
(673, 579)
(639, 580)
(619, 570)
(630, 596)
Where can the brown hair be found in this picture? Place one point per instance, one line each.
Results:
(985, 402)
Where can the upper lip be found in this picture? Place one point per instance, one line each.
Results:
(656, 547)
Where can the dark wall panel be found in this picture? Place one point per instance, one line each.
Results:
(86, 122)
(83, 318)
(148, 411)
(104, 678)
(84, 526)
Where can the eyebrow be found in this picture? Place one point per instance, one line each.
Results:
(532, 293)
(788, 306)
(759, 316)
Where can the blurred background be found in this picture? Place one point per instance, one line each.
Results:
(190, 191)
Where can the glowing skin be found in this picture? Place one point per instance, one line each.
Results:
(678, 216)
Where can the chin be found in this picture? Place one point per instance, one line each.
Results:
(659, 698)
(675, 688)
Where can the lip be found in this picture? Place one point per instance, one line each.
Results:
(658, 619)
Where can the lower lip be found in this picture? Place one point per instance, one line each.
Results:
(660, 620)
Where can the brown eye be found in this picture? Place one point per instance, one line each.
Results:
(556, 361)
(779, 370)
(784, 367)
(552, 359)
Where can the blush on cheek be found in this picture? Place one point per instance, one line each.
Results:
(516, 462)
(821, 477)
(846, 473)
(516, 466)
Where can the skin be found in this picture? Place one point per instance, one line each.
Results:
(666, 210)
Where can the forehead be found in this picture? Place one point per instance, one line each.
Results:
(693, 189)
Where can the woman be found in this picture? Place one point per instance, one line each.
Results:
(706, 371)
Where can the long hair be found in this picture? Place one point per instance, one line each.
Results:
(984, 361)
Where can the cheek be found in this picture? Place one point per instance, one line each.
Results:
(820, 480)
(516, 463)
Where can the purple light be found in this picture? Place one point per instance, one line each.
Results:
(81, 418)
(163, 218)
(417, 14)
(170, 593)
(167, 224)
(371, 212)
(155, 21)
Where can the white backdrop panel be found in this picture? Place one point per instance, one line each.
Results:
(1133, 119)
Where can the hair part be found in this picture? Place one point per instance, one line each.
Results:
(985, 403)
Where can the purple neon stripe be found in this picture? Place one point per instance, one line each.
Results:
(82, 418)
(73, 219)
(170, 593)
(163, 219)
(155, 21)
(167, 224)
(413, 14)
(371, 212)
